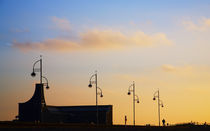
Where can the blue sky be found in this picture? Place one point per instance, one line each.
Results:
(35, 15)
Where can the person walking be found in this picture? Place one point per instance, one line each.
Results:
(163, 121)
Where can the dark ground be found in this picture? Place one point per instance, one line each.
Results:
(17, 126)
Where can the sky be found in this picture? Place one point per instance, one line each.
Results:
(158, 44)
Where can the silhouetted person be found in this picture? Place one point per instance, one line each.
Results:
(205, 124)
(163, 122)
(125, 120)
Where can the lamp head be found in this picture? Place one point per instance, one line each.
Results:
(101, 95)
(162, 105)
(90, 85)
(129, 93)
(33, 74)
(137, 101)
(47, 87)
(154, 98)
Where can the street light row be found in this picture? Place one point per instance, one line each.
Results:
(93, 80)
(131, 89)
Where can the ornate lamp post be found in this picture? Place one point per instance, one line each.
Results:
(160, 102)
(135, 99)
(97, 93)
(33, 74)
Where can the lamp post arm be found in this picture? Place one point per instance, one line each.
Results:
(161, 102)
(129, 88)
(137, 97)
(92, 77)
(35, 64)
(45, 79)
(155, 94)
(99, 89)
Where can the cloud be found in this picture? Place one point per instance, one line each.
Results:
(97, 40)
(186, 70)
(105, 39)
(202, 25)
(168, 68)
(61, 24)
(49, 44)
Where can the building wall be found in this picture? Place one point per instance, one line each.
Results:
(78, 114)
(31, 110)
(36, 109)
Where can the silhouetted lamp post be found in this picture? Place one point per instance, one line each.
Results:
(135, 99)
(160, 102)
(97, 93)
(33, 74)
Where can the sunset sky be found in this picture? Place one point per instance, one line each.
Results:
(159, 44)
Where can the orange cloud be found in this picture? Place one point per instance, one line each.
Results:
(62, 24)
(202, 25)
(50, 44)
(105, 39)
(97, 39)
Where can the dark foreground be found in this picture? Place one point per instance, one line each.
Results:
(16, 126)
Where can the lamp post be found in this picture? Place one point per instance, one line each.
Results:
(135, 98)
(97, 93)
(160, 102)
(33, 74)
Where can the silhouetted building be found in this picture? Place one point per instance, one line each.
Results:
(36, 110)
